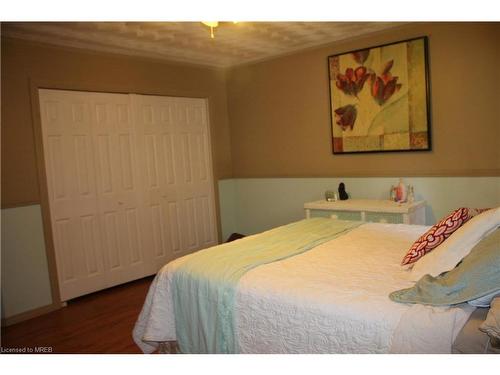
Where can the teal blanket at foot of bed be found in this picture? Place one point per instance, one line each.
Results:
(204, 286)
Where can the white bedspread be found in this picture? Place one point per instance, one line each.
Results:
(331, 299)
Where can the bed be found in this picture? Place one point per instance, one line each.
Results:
(332, 298)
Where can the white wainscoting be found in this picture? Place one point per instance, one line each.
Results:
(252, 205)
(25, 274)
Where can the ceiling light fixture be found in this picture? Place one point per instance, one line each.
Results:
(212, 25)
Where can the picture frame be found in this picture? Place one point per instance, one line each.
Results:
(380, 98)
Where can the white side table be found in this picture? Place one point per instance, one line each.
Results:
(407, 213)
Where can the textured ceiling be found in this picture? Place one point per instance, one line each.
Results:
(234, 43)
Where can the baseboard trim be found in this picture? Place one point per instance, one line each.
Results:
(18, 318)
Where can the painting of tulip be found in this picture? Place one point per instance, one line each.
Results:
(379, 98)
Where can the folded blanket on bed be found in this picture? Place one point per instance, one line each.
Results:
(204, 286)
(475, 277)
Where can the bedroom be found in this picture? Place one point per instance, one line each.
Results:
(270, 134)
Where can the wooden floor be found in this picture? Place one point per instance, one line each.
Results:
(101, 322)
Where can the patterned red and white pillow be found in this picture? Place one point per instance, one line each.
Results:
(438, 233)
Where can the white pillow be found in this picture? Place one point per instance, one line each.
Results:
(447, 255)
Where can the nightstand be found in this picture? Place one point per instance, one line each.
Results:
(382, 211)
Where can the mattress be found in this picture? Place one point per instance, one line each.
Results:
(331, 299)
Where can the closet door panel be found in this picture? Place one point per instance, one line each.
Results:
(196, 188)
(174, 222)
(70, 169)
(119, 193)
(154, 132)
(180, 195)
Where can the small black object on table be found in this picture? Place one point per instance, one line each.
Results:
(342, 193)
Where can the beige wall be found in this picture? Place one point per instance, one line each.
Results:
(24, 62)
(280, 119)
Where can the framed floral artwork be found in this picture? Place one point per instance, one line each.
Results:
(379, 98)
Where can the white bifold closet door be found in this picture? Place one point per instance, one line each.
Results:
(130, 184)
(177, 176)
